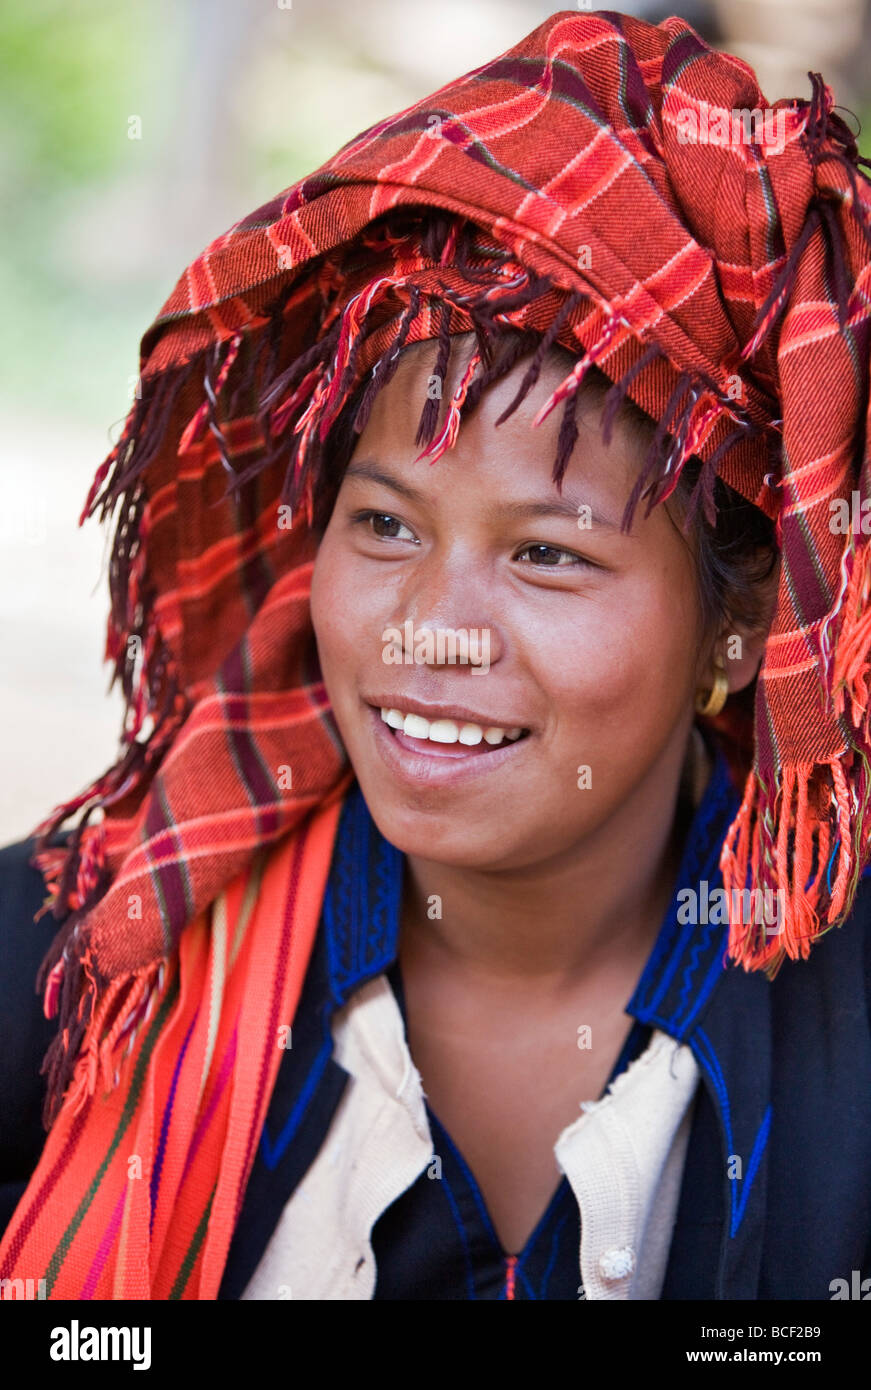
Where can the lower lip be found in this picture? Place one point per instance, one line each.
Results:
(439, 765)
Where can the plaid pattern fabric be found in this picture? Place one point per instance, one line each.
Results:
(722, 282)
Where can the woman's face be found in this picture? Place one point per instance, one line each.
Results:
(469, 591)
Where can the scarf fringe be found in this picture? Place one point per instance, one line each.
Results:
(79, 875)
(110, 1016)
(780, 845)
(451, 428)
(851, 658)
(812, 821)
(122, 1013)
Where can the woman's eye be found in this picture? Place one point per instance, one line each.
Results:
(384, 525)
(551, 556)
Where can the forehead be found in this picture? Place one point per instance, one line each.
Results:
(516, 448)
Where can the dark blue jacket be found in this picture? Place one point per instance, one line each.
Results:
(776, 1194)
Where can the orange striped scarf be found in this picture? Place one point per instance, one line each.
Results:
(139, 1187)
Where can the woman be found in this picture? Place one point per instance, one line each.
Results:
(430, 770)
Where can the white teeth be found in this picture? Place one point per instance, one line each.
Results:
(416, 726)
(447, 730)
(471, 734)
(443, 731)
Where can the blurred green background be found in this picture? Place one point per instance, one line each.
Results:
(229, 101)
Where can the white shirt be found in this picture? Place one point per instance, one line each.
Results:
(623, 1157)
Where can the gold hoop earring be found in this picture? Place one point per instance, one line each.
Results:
(711, 702)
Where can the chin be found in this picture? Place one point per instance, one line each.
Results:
(424, 836)
(465, 837)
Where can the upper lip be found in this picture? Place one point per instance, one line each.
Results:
(408, 705)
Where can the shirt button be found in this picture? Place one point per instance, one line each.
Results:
(617, 1263)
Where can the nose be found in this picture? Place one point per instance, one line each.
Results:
(446, 615)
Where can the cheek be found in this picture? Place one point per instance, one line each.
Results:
(621, 665)
(330, 609)
(347, 610)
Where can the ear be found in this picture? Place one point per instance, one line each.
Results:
(741, 651)
(741, 648)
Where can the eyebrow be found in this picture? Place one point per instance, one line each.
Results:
(564, 506)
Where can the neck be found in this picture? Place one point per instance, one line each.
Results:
(560, 922)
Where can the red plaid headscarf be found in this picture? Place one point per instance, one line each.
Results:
(597, 184)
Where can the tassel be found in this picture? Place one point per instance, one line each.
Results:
(447, 438)
(533, 371)
(281, 417)
(384, 369)
(618, 392)
(126, 1001)
(798, 836)
(430, 413)
(851, 663)
(194, 427)
(571, 383)
(91, 863)
(52, 990)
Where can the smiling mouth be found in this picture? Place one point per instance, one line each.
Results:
(447, 737)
